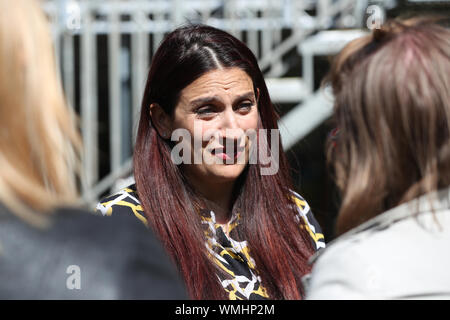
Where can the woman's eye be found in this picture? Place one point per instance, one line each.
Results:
(245, 107)
(205, 110)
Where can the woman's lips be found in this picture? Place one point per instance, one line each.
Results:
(226, 156)
(222, 154)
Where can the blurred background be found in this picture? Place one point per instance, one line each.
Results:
(105, 47)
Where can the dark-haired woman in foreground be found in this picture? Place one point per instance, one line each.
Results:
(234, 227)
(392, 164)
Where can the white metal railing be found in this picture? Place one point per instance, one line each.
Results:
(270, 28)
(318, 107)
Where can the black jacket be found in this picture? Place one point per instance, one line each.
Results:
(84, 256)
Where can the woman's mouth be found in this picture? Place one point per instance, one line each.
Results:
(225, 154)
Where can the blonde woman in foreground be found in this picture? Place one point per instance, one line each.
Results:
(392, 164)
(47, 249)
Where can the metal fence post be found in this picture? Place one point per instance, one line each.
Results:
(89, 126)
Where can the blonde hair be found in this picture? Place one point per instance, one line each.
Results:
(39, 144)
(392, 110)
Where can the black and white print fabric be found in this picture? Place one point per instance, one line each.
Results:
(240, 277)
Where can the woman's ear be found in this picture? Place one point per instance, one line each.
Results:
(161, 120)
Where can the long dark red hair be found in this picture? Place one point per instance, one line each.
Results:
(279, 246)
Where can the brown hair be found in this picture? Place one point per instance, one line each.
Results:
(278, 245)
(392, 110)
(38, 141)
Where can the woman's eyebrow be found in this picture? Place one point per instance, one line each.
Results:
(205, 100)
(246, 96)
(213, 99)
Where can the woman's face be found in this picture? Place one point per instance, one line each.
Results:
(216, 110)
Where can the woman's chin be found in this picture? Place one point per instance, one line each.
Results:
(226, 172)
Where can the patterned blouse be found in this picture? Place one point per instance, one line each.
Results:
(241, 281)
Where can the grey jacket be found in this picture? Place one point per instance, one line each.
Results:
(84, 256)
(396, 255)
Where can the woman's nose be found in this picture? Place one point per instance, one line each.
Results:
(229, 120)
(230, 127)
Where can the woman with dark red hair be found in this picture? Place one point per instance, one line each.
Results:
(220, 199)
